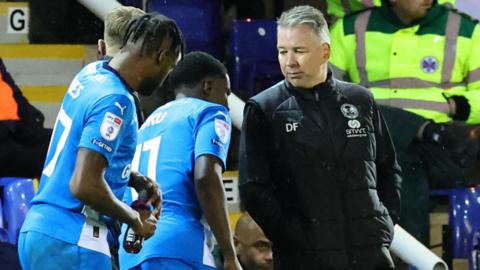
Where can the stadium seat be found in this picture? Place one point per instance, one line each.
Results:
(254, 53)
(17, 193)
(464, 218)
(3, 232)
(1, 214)
(199, 21)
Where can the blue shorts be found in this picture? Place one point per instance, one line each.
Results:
(40, 251)
(170, 264)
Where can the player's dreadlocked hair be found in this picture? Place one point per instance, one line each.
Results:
(195, 67)
(151, 29)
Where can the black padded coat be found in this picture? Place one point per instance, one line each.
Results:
(318, 173)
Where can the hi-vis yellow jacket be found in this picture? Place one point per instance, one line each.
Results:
(416, 67)
(340, 8)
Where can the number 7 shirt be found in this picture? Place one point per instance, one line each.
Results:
(97, 113)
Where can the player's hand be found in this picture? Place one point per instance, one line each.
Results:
(145, 227)
(141, 182)
(231, 264)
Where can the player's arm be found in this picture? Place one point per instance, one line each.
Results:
(107, 123)
(88, 185)
(210, 192)
(212, 139)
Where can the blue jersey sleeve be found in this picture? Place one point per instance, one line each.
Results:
(213, 133)
(105, 124)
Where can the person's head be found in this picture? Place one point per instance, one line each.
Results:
(151, 47)
(115, 25)
(202, 76)
(411, 10)
(303, 43)
(254, 250)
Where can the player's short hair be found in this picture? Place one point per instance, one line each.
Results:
(151, 30)
(195, 67)
(116, 23)
(306, 15)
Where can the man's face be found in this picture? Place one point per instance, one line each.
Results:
(160, 68)
(255, 251)
(220, 90)
(302, 55)
(415, 9)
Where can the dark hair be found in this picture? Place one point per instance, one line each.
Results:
(151, 29)
(195, 67)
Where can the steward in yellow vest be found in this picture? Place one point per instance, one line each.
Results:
(422, 63)
(340, 8)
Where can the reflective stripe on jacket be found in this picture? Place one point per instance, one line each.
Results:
(415, 67)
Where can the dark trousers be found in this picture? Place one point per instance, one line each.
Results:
(415, 192)
(424, 166)
(9, 257)
(24, 159)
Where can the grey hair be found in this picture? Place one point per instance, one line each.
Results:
(306, 15)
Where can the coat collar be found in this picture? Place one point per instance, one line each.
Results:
(319, 92)
(387, 12)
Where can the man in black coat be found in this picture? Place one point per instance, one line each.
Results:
(318, 170)
(23, 138)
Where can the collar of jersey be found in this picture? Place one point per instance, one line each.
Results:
(109, 68)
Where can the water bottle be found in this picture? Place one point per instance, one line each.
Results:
(133, 243)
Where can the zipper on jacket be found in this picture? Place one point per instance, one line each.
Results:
(341, 180)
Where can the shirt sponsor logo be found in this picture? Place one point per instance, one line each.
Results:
(222, 129)
(349, 111)
(102, 145)
(354, 123)
(356, 132)
(429, 64)
(355, 129)
(110, 127)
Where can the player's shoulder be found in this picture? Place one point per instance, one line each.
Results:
(194, 106)
(101, 76)
(118, 103)
(101, 84)
(212, 108)
(202, 110)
